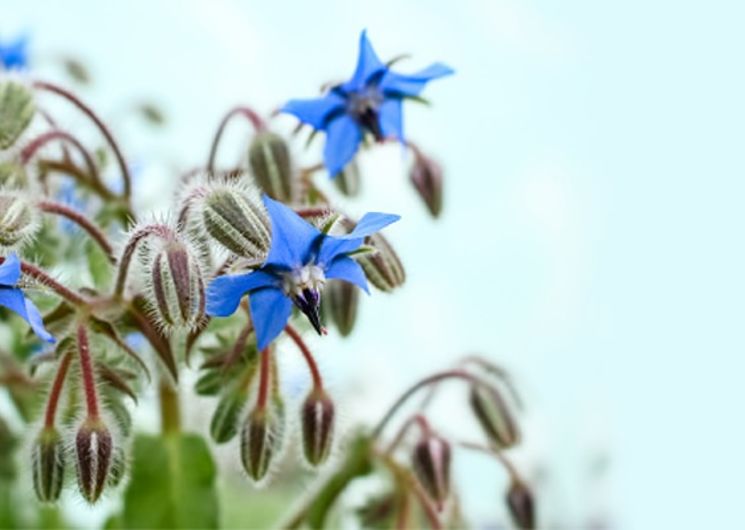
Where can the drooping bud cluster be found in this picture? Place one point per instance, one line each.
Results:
(18, 220)
(17, 109)
(48, 464)
(271, 166)
(494, 416)
(431, 464)
(93, 451)
(317, 418)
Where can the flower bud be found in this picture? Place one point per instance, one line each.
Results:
(340, 301)
(118, 467)
(48, 464)
(317, 418)
(431, 463)
(383, 268)
(93, 450)
(18, 223)
(426, 176)
(270, 163)
(493, 415)
(17, 109)
(224, 424)
(237, 221)
(347, 181)
(261, 439)
(13, 175)
(520, 504)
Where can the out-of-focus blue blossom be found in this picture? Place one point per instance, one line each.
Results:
(300, 260)
(370, 101)
(14, 54)
(12, 297)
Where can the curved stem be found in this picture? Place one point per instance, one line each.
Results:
(417, 419)
(138, 236)
(82, 221)
(311, 362)
(99, 124)
(511, 470)
(239, 346)
(250, 114)
(86, 371)
(56, 390)
(263, 379)
(42, 277)
(313, 212)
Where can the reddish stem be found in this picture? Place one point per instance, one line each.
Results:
(157, 230)
(264, 379)
(313, 212)
(43, 139)
(86, 370)
(82, 221)
(418, 419)
(250, 114)
(42, 277)
(56, 391)
(312, 366)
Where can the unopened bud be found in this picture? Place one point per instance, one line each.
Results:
(261, 440)
(118, 467)
(225, 419)
(13, 175)
(17, 108)
(347, 181)
(340, 301)
(93, 450)
(237, 220)
(493, 415)
(48, 464)
(432, 467)
(383, 268)
(426, 176)
(520, 504)
(270, 163)
(318, 426)
(176, 286)
(18, 223)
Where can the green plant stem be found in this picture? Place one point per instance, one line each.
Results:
(170, 409)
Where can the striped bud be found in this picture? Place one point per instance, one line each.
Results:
(18, 222)
(382, 268)
(13, 175)
(347, 181)
(225, 419)
(431, 463)
(176, 287)
(520, 504)
(48, 464)
(426, 176)
(17, 109)
(261, 439)
(317, 417)
(237, 221)
(93, 450)
(270, 163)
(340, 301)
(493, 415)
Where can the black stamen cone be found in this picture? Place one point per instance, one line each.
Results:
(309, 302)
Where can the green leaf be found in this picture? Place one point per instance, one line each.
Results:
(99, 266)
(172, 484)
(16, 110)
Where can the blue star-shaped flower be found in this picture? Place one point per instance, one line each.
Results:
(300, 260)
(14, 55)
(370, 101)
(13, 298)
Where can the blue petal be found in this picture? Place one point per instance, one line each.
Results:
(224, 293)
(346, 269)
(292, 236)
(315, 112)
(10, 271)
(411, 85)
(15, 54)
(343, 136)
(368, 65)
(14, 300)
(270, 310)
(391, 123)
(372, 222)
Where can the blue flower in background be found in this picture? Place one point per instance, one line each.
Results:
(13, 298)
(370, 101)
(14, 55)
(300, 260)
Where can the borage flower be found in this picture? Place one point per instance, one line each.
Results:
(370, 101)
(12, 297)
(300, 260)
(14, 54)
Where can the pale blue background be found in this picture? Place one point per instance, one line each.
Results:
(592, 238)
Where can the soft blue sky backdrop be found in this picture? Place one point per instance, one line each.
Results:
(592, 238)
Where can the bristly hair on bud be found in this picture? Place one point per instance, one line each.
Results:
(271, 165)
(494, 416)
(521, 506)
(19, 221)
(383, 268)
(93, 450)
(427, 177)
(48, 464)
(431, 464)
(340, 303)
(261, 439)
(17, 109)
(317, 419)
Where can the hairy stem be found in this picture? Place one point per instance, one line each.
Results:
(310, 361)
(170, 410)
(264, 379)
(86, 371)
(56, 390)
(42, 277)
(82, 221)
(135, 239)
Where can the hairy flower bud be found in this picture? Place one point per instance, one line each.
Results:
(224, 424)
(93, 450)
(317, 417)
(261, 439)
(48, 464)
(383, 268)
(340, 302)
(270, 163)
(18, 222)
(493, 415)
(347, 181)
(520, 504)
(237, 220)
(118, 467)
(17, 109)
(176, 290)
(431, 461)
(426, 176)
